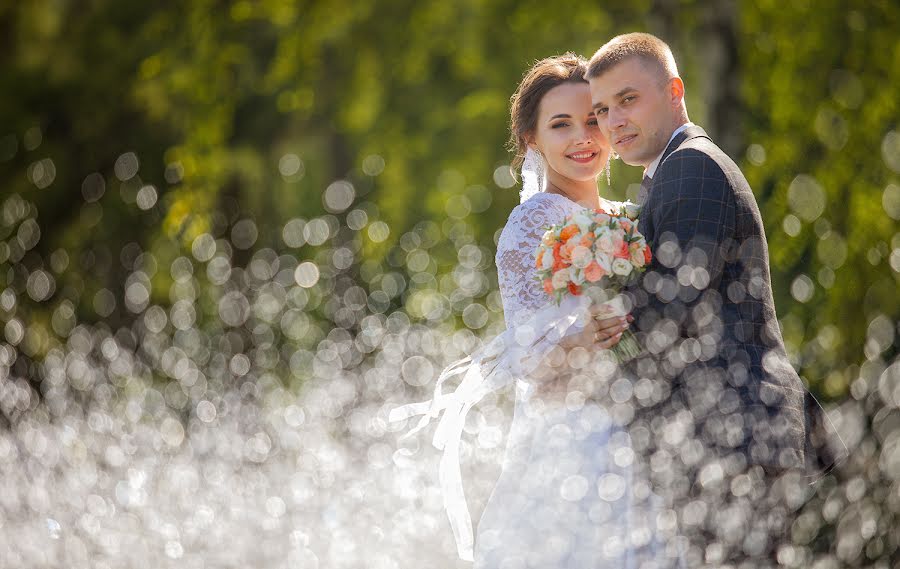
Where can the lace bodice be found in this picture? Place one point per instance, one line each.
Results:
(520, 290)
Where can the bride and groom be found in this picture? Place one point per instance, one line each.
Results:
(686, 455)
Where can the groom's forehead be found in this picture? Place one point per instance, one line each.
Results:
(630, 74)
(632, 68)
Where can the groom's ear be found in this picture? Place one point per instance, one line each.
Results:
(676, 91)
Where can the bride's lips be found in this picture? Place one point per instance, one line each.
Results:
(582, 157)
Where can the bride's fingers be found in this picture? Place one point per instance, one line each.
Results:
(597, 332)
(600, 310)
(610, 341)
(609, 335)
(609, 326)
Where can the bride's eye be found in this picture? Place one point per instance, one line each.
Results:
(559, 124)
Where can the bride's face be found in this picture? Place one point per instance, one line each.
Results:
(567, 133)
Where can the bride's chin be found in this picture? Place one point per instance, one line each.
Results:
(590, 177)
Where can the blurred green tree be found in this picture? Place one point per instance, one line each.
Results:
(136, 128)
(821, 90)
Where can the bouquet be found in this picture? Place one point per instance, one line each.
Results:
(598, 252)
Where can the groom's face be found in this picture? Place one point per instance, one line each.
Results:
(634, 110)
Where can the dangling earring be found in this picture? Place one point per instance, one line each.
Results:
(608, 164)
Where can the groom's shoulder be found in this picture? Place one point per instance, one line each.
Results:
(701, 157)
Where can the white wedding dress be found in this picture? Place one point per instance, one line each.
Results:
(566, 494)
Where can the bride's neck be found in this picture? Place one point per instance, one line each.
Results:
(584, 193)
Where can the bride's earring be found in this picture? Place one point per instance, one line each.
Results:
(608, 164)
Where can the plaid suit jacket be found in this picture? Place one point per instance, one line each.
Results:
(705, 315)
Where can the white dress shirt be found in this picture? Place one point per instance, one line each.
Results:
(651, 169)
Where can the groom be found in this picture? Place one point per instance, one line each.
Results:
(704, 309)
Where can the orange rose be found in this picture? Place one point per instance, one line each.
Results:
(548, 286)
(567, 232)
(647, 255)
(574, 288)
(594, 272)
(622, 252)
(539, 262)
(558, 261)
(587, 240)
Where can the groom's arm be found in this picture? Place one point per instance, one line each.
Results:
(691, 208)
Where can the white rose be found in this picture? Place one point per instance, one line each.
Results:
(581, 256)
(576, 275)
(547, 259)
(604, 241)
(604, 260)
(632, 210)
(621, 267)
(583, 220)
(560, 279)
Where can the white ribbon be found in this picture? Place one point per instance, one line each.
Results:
(515, 353)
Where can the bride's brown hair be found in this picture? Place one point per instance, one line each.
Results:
(525, 102)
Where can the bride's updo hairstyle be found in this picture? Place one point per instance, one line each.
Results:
(525, 102)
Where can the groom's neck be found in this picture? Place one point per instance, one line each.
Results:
(679, 122)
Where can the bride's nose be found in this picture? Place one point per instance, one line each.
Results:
(584, 136)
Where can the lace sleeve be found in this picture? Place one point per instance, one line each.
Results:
(520, 290)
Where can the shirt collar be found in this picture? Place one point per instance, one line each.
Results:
(651, 169)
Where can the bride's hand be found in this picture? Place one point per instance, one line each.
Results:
(601, 333)
(552, 378)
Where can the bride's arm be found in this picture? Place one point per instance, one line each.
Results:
(552, 376)
(523, 294)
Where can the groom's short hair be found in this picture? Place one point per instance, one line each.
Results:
(651, 50)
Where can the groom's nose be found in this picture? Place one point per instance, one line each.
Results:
(616, 119)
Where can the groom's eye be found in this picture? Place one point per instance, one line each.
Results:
(602, 111)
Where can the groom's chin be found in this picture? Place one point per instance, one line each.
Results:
(630, 160)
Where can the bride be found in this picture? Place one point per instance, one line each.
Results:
(566, 496)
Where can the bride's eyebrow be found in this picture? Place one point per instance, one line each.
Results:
(561, 116)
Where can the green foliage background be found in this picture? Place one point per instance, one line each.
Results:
(211, 95)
